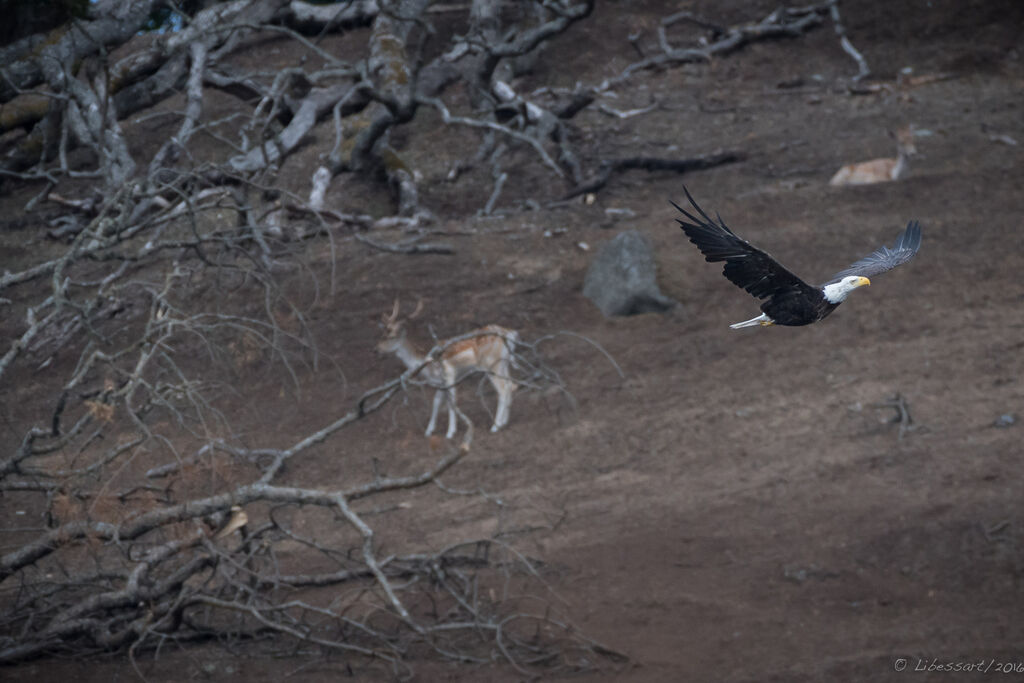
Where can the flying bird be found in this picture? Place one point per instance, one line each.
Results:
(788, 299)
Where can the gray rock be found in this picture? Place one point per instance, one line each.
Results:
(621, 279)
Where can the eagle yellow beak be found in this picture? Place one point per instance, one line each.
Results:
(863, 281)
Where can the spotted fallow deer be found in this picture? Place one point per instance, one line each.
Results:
(880, 170)
(488, 349)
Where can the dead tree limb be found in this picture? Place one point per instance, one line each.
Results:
(410, 246)
(610, 167)
(863, 71)
(113, 22)
(785, 22)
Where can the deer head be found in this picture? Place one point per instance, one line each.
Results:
(905, 140)
(394, 328)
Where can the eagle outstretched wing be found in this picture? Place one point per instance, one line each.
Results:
(887, 258)
(746, 266)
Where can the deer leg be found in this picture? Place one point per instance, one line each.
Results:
(503, 386)
(451, 412)
(438, 396)
(449, 381)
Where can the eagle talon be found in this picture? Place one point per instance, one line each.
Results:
(766, 323)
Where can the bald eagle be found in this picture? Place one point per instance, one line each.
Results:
(789, 300)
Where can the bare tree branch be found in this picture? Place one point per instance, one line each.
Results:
(612, 166)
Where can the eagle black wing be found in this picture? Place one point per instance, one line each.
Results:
(746, 266)
(887, 258)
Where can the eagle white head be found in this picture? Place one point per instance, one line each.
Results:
(836, 292)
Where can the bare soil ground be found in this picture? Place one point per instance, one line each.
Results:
(736, 507)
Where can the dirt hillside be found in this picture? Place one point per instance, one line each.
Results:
(738, 505)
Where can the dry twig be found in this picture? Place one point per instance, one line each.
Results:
(902, 408)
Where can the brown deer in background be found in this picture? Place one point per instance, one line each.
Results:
(490, 351)
(880, 170)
